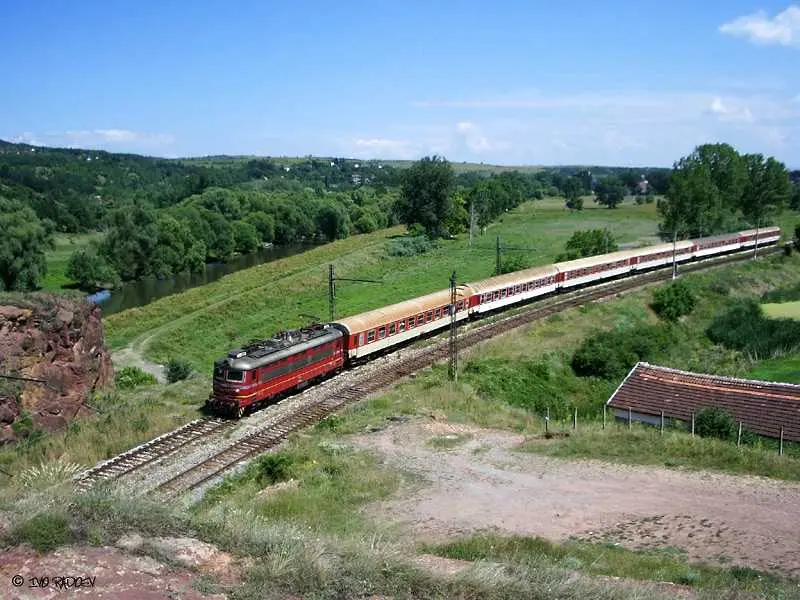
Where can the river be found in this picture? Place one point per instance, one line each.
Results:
(138, 293)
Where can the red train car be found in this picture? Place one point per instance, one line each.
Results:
(263, 370)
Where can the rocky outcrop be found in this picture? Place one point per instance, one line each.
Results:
(54, 347)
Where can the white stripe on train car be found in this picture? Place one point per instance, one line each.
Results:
(398, 338)
(595, 276)
(520, 297)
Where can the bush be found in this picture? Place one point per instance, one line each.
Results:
(742, 326)
(177, 369)
(411, 246)
(673, 301)
(274, 468)
(784, 294)
(611, 354)
(513, 263)
(45, 531)
(714, 422)
(128, 378)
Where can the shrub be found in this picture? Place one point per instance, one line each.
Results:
(45, 531)
(274, 467)
(742, 326)
(128, 378)
(784, 294)
(411, 246)
(673, 301)
(513, 263)
(177, 369)
(611, 354)
(714, 422)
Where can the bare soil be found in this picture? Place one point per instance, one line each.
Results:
(483, 484)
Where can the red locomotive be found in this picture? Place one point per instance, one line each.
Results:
(263, 370)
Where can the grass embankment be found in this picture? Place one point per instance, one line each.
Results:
(58, 258)
(666, 565)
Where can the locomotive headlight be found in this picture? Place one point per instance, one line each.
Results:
(237, 390)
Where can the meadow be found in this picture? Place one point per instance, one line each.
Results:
(782, 310)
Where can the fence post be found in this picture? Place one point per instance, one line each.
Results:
(780, 446)
(547, 421)
(692, 423)
(575, 419)
(739, 437)
(662, 422)
(604, 416)
(629, 418)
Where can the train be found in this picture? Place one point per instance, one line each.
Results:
(265, 370)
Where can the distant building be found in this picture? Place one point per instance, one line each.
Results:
(642, 186)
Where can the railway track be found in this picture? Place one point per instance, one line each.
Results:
(149, 452)
(265, 439)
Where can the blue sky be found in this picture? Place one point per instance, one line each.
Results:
(637, 82)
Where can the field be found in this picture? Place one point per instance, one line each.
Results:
(782, 310)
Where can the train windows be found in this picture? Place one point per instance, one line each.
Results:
(392, 329)
(437, 313)
(402, 326)
(219, 372)
(234, 375)
(420, 320)
(503, 293)
(429, 316)
(370, 336)
(460, 305)
(382, 333)
(411, 322)
(361, 339)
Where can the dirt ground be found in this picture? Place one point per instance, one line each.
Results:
(121, 573)
(482, 484)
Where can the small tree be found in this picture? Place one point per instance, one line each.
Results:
(426, 195)
(673, 301)
(177, 370)
(713, 421)
(610, 192)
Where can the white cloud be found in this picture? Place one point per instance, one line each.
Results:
(728, 112)
(113, 139)
(758, 28)
(377, 147)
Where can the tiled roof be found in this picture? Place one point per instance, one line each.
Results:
(763, 407)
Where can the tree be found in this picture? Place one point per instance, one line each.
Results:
(572, 193)
(90, 270)
(610, 192)
(131, 240)
(766, 189)
(333, 222)
(673, 301)
(22, 246)
(426, 195)
(794, 199)
(588, 243)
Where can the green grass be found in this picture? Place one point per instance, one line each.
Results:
(782, 310)
(646, 446)
(786, 370)
(333, 481)
(449, 441)
(58, 258)
(611, 560)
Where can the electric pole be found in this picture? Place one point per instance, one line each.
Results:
(471, 221)
(332, 279)
(453, 329)
(497, 267)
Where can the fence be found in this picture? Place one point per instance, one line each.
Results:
(661, 425)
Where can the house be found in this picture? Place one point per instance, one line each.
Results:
(763, 407)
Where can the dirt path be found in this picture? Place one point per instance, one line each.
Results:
(483, 484)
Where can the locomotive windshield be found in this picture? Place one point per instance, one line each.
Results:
(235, 375)
(219, 371)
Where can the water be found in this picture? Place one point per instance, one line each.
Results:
(139, 293)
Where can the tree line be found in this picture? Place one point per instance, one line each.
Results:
(172, 215)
